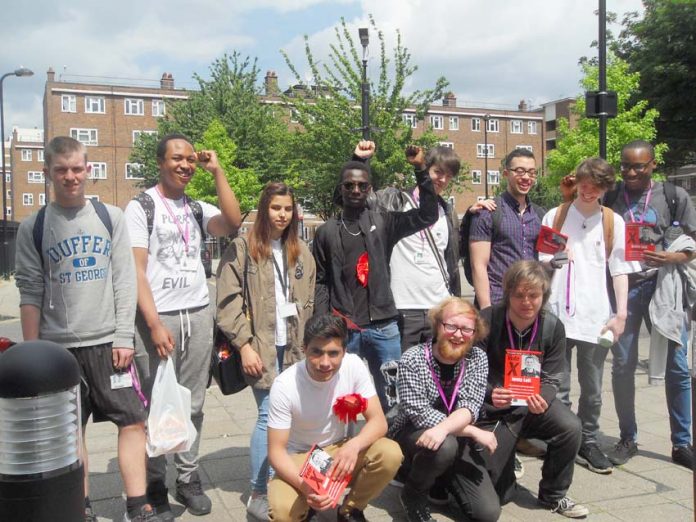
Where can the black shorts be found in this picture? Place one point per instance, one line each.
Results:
(121, 406)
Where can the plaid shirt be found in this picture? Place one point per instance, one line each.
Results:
(418, 393)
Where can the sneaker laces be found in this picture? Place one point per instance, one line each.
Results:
(564, 504)
(194, 487)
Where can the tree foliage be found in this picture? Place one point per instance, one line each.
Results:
(328, 110)
(633, 121)
(662, 48)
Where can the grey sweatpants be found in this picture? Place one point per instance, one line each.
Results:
(192, 365)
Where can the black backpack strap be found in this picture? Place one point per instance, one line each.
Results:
(37, 232)
(197, 210)
(148, 205)
(671, 196)
(496, 217)
(104, 216)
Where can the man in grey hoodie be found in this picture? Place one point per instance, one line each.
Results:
(76, 289)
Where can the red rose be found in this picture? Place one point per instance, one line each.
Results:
(348, 407)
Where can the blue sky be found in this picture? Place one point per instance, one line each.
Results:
(494, 51)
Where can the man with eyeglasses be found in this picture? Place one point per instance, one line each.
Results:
(499, 237)
(441, 384)
(352, 252)
(663, 212)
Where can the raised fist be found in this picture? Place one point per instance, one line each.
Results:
(415, 155)
(365, 149)
(568, 188)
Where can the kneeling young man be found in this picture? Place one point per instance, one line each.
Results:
(301, 415)
(520, 323)
(441, 384)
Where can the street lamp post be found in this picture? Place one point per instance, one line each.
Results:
(486, 117)
(364, 87)
(22, 71)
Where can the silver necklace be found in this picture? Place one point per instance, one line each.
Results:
(354, 234)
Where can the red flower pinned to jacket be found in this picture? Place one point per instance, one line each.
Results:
(348, 407)
(362, 269)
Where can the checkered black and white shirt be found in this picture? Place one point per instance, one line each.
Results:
(418, 392)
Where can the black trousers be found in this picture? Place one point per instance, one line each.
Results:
(414, 327)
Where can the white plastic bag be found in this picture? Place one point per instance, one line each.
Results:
(169, 426)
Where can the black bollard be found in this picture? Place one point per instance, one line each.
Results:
(41, 471)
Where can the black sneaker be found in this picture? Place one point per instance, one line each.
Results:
(683, 455)
(354, 515)
(623, 451)
(192, 496)
(438, 495)
(566, 507)
(158, 498)
(146, 514)
(416, 506)
(594, 459)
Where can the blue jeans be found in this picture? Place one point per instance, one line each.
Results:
(378, 345)
(590, 363)
(258, 447)
(677, 378)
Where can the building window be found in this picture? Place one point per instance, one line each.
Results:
(447, 144)
(531, 127)
(475, 124)
(133, 171)
(85, 136)
(39, 155)
(476, 177)
(550, 144)
(410, 120)
(137, 133)
(26, 155)
(8, 177)
(27, 199)
(454, 123)
(35, 176)
(98, 170)
(134, 106)
(68, 103)
(95, 104)
(515, 126)
(481, 147)
(9, 212)
(158, 108)
(550, 125)
(42, 199)
(493, 177)
(528, 147)
(437, 122)
(493, 125)
(8, 195)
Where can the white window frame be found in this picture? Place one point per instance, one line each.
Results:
(99, 170)
(40, 155)
(454, 123)
(480, 150)
(35, 176)
(437, 122)
(9, 212)
(531, 127)
(528, 147)
(515, 126)
(447, 144)
(494, 177)
(130, 166)
(137, 133)
(8, 194)
(88, 137)
(27, 155)
(8, 177)
(95, 105)
(159, 109)
(410, 120)
(134, 107)
(475, 124)
(27, 199)
(493, 125)
(68, 103)
(476, 175)
(42, 198)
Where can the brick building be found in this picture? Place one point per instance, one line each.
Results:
(28, 187)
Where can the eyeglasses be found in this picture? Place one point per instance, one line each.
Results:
(519, 172)
(452, 328)
(363, 186)
(635, 167)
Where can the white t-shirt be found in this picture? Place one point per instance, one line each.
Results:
(416, 279)
(581, 300)
(175, 272)
(305, 407)
(281, 333)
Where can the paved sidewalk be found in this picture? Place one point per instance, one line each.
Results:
(648, 488)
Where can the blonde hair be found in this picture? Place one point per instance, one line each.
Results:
(463, 306)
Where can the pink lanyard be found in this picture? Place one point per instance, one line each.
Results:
(645, 206)
(136, 384)
(184, 232)
(448, 404)
(509, 330)
(567, 305)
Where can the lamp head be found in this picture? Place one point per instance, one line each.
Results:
(23, 71)
(364, 36)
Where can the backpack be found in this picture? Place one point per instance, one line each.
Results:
(38, 230)
(607, 224)
(148, 205)
(465, 229)
(670, 195)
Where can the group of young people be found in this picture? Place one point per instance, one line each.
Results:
(382, 284)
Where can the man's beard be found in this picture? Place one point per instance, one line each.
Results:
(451, 352)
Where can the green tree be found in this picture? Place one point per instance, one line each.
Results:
(329, 115)
(633, 121)
(662, 48)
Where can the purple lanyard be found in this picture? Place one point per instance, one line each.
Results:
(184, 232)
(136, 384)
(645, 206)
(448, 404)
(509, 330)
(567, 304)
